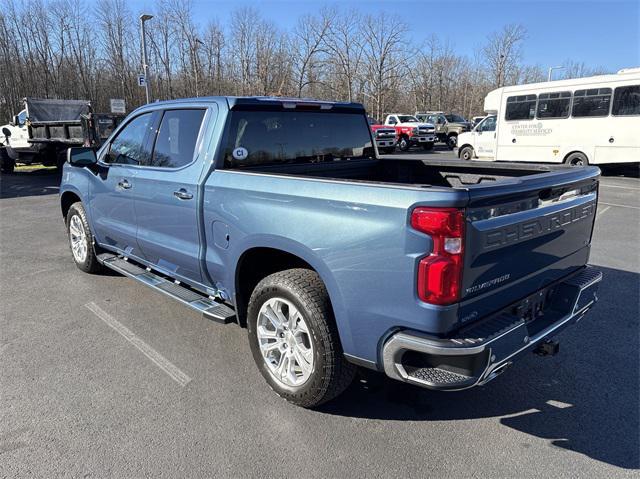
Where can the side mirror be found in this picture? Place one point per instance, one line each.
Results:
(81, 156)
(6, 132)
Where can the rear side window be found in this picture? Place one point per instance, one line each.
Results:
(177, 136)
(129, 147)
(626, 101)
(554, 105)
(591, 102)
(521, 107)
(291, 136)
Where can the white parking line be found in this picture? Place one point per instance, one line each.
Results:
(619, 206)
(604, 185)
(157, 358)
(602, 211)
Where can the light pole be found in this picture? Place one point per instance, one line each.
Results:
(551, 71)
(145, 64)
(196, 63)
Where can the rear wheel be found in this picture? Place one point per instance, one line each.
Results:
(294, 339)
(452, 141)
(404, 143)
(577, 159)
(466, 153)
(81, 240)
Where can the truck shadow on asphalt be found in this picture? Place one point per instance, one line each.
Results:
(585, 399)
(30, 183)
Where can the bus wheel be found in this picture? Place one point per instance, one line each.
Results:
(577, 159)
(466, 153)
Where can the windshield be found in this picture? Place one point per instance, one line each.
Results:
(455, 119)
(407, 119)
(272, 137)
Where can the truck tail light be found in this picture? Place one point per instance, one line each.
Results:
(440, 273)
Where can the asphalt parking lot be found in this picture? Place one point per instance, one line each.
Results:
(78, 399)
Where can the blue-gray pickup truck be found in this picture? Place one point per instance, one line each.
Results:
(279, 215)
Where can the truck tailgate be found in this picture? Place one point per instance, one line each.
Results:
(523, 234)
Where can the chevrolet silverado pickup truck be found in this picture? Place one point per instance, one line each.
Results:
(278, 214)
(385, 136)
(411, 132)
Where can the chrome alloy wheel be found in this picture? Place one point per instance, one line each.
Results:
(285, 342)
(78, 239)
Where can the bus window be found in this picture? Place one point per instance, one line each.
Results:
(626, 101)
(522, 107)
(554, 105)
(592, 102)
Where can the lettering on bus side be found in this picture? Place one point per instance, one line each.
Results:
(530, 229)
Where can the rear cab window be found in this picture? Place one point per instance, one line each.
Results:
(263, 138)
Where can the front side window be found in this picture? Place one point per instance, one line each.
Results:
(22, 118)
(177, 137)
(489, 124)
(521, 107)
(281, 136)
(554, 105)
(626, 101)
(591, 102)
(129, 148)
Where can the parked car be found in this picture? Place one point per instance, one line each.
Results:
(278, 214)
(448, 127)
(411, 132)
(385, 136)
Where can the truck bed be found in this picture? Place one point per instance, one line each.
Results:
(409, 171)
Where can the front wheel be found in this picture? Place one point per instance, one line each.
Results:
(452, 141)
(81, 240)
(404, 144)
(294, 339)
(466, 153)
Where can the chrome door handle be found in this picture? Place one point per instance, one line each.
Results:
(182, 194)
(124, 184)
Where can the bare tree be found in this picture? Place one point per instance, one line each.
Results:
(503, 52)
(309, 38)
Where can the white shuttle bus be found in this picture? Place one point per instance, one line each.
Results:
(594, 120)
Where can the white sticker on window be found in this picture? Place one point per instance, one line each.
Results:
(240, 153)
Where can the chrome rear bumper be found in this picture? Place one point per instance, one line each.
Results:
(481, 352)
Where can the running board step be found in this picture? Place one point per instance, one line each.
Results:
(210, 308)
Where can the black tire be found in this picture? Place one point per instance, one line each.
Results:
(90, 264)
(466, 153)
(331, 373)
(577, 159)
(452, 141)
(404, 144)
(427, 146)
(7, 164)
